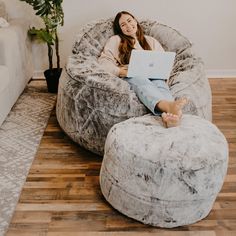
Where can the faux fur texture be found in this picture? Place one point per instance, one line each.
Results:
(91, 100)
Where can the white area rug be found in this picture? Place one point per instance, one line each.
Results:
(20, 137)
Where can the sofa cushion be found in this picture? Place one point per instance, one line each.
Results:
(15, 56)
(4, 78)
(5, 98)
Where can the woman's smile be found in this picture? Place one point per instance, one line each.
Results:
(128, 25)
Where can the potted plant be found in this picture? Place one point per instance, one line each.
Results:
(51, 12)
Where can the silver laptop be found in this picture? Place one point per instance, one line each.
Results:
(151, 64)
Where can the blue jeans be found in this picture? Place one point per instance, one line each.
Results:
(150, 91)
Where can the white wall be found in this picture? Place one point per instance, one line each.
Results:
(209, 24)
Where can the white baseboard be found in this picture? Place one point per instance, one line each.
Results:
(221, 74)
(209, 73)
(38, 74)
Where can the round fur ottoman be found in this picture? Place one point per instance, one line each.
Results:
(164, 177)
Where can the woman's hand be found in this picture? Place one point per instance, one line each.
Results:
(123, 71)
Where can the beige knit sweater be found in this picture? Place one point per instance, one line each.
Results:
(109, 58)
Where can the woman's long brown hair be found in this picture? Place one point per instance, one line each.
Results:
(127, 42)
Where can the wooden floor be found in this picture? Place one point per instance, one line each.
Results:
(62, 196)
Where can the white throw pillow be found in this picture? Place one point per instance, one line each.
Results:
(3, 23)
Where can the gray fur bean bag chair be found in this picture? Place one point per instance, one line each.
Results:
(91, 100)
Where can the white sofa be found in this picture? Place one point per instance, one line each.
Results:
(16, 67)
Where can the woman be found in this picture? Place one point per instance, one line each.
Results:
(154, 93)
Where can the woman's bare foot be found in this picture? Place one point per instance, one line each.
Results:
(170, 120)
(172, 111)
(176, 106)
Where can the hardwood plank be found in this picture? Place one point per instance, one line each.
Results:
(62, 195)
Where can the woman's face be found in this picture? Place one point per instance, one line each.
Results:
(128, 25)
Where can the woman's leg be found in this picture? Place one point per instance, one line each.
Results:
(150, 92)
(168, 105)
(156, 96)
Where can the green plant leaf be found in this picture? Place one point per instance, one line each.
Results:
(42, 35)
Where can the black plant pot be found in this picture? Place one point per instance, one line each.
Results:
(52, 78)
